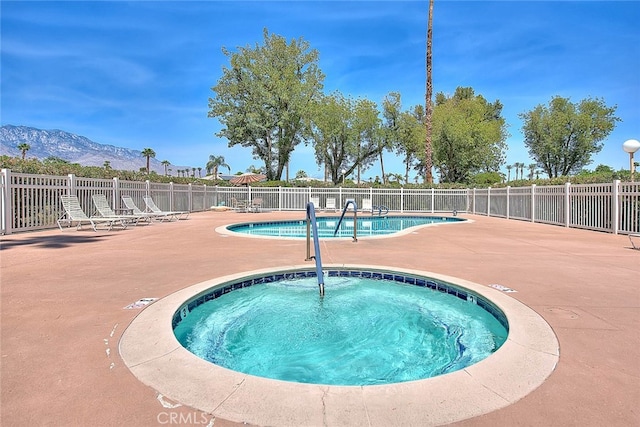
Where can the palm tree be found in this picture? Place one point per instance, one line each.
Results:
(24, 147)
(214, 163)
(532, 170)
(166, 164)
(428, 162)
(107, 165)
(199, 172)
(509, 167)
(148, 153)
(521, 170)
(193, 172)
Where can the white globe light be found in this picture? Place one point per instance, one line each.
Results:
(631, 146)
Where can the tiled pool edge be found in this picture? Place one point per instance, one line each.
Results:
(375, 274)
(530, 354)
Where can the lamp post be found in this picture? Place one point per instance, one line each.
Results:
(344, 171)
(631, 146)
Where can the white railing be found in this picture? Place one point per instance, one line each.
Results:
(31, 202)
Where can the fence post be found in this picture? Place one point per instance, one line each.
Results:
(615, 206)
(433, 200)
(401, 199)
(533, 203)
(488, 201)
(567, 204)
(147, 188)
(7, 223)
(189, 199)
(473, 202)
(71, 185)
(116, 193)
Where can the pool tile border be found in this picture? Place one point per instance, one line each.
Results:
(420, 281)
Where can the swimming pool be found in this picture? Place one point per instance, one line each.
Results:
(371, 327)
(366, 226)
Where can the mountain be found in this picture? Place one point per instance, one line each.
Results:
(74, 148)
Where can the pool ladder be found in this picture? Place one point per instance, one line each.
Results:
(355, 218)
(312, 224)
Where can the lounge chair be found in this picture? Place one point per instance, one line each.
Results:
(367, 205)
(131, 205)
(105, 211)
(151, 207)
(74, 213)
(633, 243)
(330, 204)
(315, 201)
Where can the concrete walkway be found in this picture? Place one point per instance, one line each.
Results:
(63, 296)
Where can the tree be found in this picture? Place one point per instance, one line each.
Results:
(344, 133)
(509, 167)
(469, 135)
(410, 138)
(214, 163)
(107, 165)
(562, 136)
(24, 147)
(166, 164)
(148, 153)
(428, 152)
(532, 170)
(199, 172)
(263, 98)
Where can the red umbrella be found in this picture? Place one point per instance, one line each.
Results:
(247, 178)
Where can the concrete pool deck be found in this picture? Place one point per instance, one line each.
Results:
(63, 297)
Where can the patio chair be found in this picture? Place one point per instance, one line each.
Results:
(239, 205)
(105, 211)
(73, 213)
(633, 243)
(256, 204)
(151, 207)
(131, 205)
(330, 204)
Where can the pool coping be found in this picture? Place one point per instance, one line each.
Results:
(150, 350)
(224, 231)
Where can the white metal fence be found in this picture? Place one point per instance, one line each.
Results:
(31, 202)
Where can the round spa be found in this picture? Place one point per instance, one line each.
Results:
(286, 392)
(371, 327)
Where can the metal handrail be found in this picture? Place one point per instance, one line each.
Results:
(355, 219)
(380, 209)
(312, 224)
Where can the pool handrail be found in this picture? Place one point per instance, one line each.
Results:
(312, 224)
(380, 208)
(355, 218)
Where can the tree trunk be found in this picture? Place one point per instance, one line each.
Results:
(428, 161)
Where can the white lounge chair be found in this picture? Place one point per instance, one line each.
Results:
(633, 243)
(73, 213)
(315, 201)
(367, 205)
(135, 210)
(330, 204)
(105, 211)
(151, 207)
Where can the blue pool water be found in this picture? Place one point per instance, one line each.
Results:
(364, 331)
(367, 226)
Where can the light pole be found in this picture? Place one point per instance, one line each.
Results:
(344, 171)
(631, 146)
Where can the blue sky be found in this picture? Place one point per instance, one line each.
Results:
(138, 74)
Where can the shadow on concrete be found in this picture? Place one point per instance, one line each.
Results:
(49, 242)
